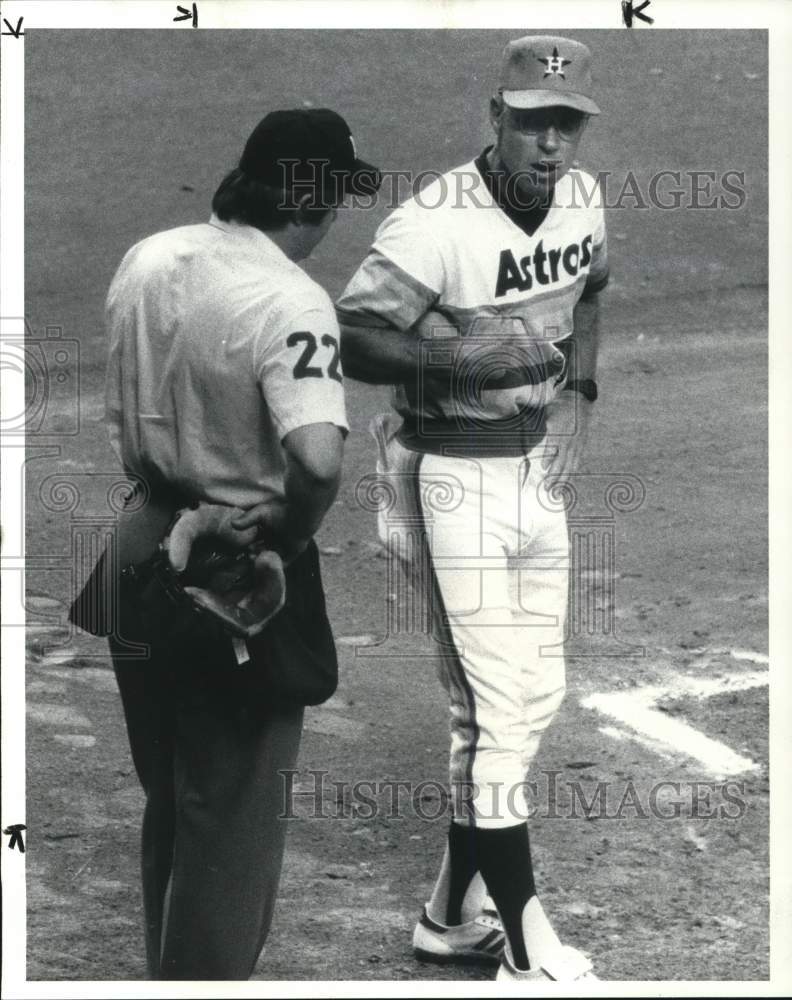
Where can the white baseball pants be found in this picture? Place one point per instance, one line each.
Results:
(486, 545)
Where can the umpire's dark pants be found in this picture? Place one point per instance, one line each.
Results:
(208, 740)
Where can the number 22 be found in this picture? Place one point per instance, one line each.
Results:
(303, 368)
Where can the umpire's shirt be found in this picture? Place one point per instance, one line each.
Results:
(219, 347)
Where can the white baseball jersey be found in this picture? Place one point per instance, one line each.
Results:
(477, 538)
(455, 251)
(219, 347)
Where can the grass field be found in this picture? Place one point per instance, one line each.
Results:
(128, 133)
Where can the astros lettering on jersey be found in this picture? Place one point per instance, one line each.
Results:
(451, 251)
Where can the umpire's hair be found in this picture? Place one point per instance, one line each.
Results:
(242, 198)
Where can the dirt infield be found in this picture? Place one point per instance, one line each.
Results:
(647, 856)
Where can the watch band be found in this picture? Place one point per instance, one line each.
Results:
(587, 388)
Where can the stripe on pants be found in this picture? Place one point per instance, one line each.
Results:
(451, 660)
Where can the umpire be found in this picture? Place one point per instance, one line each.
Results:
(224, 387)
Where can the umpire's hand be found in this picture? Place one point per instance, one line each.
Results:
(208, 519)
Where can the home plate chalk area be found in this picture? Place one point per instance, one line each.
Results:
(650, 714)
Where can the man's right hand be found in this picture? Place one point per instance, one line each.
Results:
(270, 523)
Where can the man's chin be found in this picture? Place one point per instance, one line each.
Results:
(533, 192)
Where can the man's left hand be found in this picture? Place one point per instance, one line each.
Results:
(567, 433)
(215, 520)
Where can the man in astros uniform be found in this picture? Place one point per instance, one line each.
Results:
(224, 387)
(478, 303)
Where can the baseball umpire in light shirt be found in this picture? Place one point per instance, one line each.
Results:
(224, 388)
(480, 307)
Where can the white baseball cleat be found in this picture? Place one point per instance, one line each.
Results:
(567, 966)
(479, 940)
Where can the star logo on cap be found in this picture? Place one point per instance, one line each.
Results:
(554, 64)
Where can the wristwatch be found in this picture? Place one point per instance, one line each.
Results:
(587, 388)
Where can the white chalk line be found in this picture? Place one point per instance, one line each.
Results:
(669, 737)
(746, 654)
(623, 736)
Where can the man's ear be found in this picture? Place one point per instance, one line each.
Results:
(497, 109)
(304, 202)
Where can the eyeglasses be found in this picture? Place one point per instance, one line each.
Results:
(532, 121)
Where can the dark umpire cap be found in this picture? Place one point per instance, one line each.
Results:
(308, 150)
(540, 71)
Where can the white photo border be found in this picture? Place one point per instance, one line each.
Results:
(112, 15)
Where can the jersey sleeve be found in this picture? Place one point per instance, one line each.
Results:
(599, 271)
(401, 278)
(299, 371)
